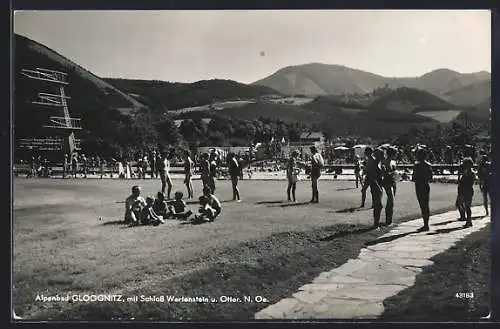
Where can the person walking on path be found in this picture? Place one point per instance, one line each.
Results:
(357, 171)
(235, 173)
(389, 183)
(317, 164)
(292, 173)
(422, 176)
(484, 172)
(466, 192)
(188, 173)
(368, 163)
(375, 179)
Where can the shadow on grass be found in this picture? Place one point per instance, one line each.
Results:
(341, 234)
(114, 222)
(388, 238)
(295, 204)
(270, 202)
(346, 210)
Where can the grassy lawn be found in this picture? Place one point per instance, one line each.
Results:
(262, 246)
(464, 268)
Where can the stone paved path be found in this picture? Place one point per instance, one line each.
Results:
(357, 289)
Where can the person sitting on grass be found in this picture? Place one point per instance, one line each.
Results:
(148, 215)
(160, 206)
(210, 206)
(205, 213)
(178, 208)
(133, 206)
(213, 201)
(466, 192)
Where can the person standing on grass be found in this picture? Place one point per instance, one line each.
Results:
(133, 206)
(152, 165)
(163, 166)
(74, 165)
(188, 173)
(66, 165)
(205, 169)
(389, 183)
(235, 173)
(102, 166)
(376, 188)
(466, 192)
(317, 163)
(84, 165)
(292, 172)
(367, 166)
(422, 176)
(484, 170)
(213, 170)
(357, 170)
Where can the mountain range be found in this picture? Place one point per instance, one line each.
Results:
(324, 79)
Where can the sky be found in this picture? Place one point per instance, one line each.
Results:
(245, 46)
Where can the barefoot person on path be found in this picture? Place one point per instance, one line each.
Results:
(376, 189)
(357, 171)
(484, 172)
(422, 176)
(368, 163)
(466, 191)
(389, 183)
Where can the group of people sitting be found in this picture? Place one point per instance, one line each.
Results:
(150, 211)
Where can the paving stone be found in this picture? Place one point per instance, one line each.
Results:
(349, 267)
(348, 309)
(278, 310)
(369, 292)
(328, 287)
(310, 297)
(384, 272)
(413, 255)
(411, 262)
(339, 278)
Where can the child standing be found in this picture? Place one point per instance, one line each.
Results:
(466, 192)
